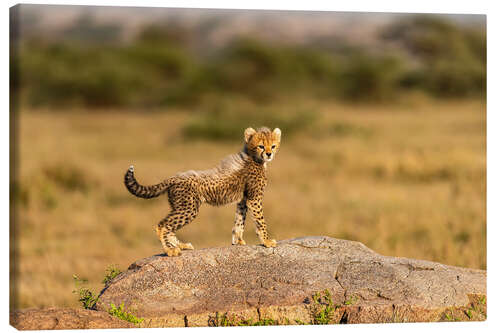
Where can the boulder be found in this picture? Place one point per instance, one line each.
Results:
(302, 280)
(64, 319)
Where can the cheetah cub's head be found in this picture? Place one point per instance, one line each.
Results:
(262, 144)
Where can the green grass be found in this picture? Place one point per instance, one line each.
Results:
(89, 299)
(224, 321)
(120, 312)
(323, 308)
(352, 299)
(474, 311)
(85, 296)
(322, 311)
(111, 272)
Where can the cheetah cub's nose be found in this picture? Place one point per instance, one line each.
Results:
(269, 154)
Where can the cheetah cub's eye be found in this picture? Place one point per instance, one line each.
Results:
(261, 147)
(273, 146)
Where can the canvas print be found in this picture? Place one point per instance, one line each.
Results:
(180, 167)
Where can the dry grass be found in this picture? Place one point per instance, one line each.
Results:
(405, 181)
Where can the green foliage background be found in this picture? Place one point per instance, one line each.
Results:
(160, 67)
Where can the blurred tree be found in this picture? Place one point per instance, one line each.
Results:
(86, 29)
(452, 59)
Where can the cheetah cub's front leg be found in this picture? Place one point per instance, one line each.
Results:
(255, 207)
(239, 223)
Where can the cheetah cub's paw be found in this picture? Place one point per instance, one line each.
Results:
(269, 243)
(173, 251)
(186, 246)
(239, 242)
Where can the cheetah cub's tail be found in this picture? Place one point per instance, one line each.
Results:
(146, 192)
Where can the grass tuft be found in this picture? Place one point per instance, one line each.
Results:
(88, 298)
(224, 321)
(68, 177)
(323, 308)
(120, 312)
(85, 296)
(111, 272)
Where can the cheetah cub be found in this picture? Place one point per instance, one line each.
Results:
(238, 178)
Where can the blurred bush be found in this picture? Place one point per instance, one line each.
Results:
(370, 78)
(450, 60)
(68, 177)
(260, 71)
(221, 123)
(162, 66)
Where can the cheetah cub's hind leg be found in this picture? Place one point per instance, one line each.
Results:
(184, 210)
(165, 231)
(171, 245)
(186, 246)
(169, 242)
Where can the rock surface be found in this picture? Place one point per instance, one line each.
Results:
(256, 283)
(64, 319)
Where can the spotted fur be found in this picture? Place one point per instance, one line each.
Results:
(238, 178)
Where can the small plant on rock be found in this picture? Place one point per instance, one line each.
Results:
(111, 272)
(86, 296)
(122, 314)
(89, 299)
(351, 300)
(224, 321)
(323, 308)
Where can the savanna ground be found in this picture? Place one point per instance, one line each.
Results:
(406, 180)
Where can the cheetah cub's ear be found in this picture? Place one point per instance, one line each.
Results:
(248, 134)
(277, 134)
